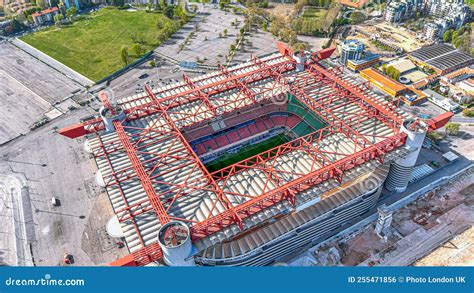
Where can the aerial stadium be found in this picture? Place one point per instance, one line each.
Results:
(248, 164)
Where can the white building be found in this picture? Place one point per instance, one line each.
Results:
(449, 14)
(45, 16)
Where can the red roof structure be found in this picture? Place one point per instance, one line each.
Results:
(149, 146)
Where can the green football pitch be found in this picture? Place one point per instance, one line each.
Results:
(247, 152)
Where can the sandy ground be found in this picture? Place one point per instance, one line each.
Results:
(285, 11)
(460, 250)
(457, 252)
(451, 205)
(462, 143)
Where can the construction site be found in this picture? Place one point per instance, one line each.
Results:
(248, 164)
(435, 229)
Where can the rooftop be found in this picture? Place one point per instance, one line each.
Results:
(441, 56)
(403, 65)
(383, 80)
(150, 145)
(46, 11)
(366, 58)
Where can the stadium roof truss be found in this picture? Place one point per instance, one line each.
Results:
(161, 163)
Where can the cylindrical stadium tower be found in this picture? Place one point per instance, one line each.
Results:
(109, 116)
(400, 170)
(175, 242)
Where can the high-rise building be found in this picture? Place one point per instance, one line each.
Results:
(351, 50)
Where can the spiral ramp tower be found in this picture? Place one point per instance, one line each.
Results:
(400, 170)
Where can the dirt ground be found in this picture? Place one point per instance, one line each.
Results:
(285, 11)
(450, 203)
(362, 246)
(463, 142)
(457, 252)
(460, 250)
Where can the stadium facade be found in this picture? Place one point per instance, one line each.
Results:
(247, 164)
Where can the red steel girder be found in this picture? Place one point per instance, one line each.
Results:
(344, 94)
(137, 165)
(192, 154)
(200, 80)
(315, 106)
(268, 199)
(204, 97)
(175, 100)
(247, 93)
(387, 110)
(141, 173)
(283, 192)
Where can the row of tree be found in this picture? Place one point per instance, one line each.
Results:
(460, 38)
(127, 54)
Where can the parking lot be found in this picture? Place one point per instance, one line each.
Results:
(56, 166)
(29, 90)
(132, 82)
(40, 78)
(209, 43)
(205, 44)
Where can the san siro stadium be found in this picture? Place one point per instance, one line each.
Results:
(248, 164)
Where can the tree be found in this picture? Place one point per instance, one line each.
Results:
(152, 63)
(41, 4)
(263, 4)
(357, 17)
(232, 47)
(17, 25)
(435, 136)
(124, 55)
(468, 112)
(454, 36)
(137, 50)
(169, 12)
(71, 12)
(179, 12)
(452, 128)
(448, 35)
(58, 18)
(137, 38)
(225, 32)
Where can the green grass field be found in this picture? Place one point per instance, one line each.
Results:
(314, 12)
(247, 152)
(91, 45)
